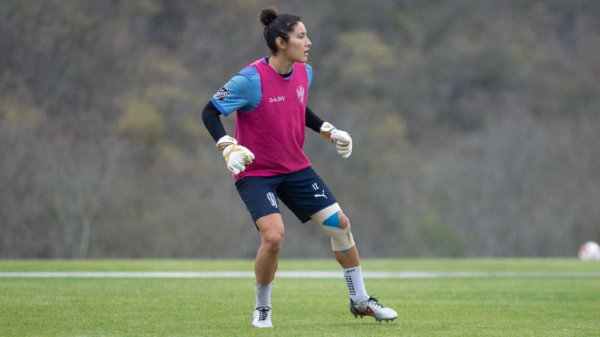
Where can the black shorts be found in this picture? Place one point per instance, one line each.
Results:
(303, 192)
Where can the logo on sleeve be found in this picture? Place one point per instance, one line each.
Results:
(222, 94)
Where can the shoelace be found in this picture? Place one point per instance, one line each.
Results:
(263, 313)
(374, 302)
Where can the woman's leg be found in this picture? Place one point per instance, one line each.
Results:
(271, 240)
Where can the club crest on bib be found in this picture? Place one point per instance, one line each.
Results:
(300, 93)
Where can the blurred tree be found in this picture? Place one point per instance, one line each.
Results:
(142, 122)
(474, 126)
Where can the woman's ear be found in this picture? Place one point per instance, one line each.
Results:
(280, 42)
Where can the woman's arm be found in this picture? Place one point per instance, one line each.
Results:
(212, 121)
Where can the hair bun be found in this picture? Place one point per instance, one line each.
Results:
(268, 15)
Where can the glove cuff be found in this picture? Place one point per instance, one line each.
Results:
(326, 130)
(225, 141)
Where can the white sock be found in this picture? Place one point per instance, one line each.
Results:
(355, 283)
(263, 295)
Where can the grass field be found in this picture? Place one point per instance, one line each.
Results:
(562, 299)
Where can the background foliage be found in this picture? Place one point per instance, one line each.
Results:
(475, 126)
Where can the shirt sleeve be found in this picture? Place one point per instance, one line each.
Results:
(243, 92)
(309, 73)
(313, 121)
(210, 116)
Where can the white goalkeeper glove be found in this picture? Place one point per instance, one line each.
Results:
(341, 139)
(236, 156)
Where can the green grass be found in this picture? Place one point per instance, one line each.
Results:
(485, 306)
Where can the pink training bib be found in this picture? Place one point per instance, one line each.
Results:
(275, 130)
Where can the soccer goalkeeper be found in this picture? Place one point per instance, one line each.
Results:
(269, 165)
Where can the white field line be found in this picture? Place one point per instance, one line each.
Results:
(301, 274)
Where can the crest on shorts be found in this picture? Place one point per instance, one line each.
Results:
(300, 93)
(222, 94)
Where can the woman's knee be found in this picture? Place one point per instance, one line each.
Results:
(272, 232)
(273, 239)
(344, 221)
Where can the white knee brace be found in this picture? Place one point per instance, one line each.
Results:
(329, 219)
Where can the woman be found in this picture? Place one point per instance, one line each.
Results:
(268, 163)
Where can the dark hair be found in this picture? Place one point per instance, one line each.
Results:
(277, 26)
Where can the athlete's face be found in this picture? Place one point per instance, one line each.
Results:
(298, 44)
